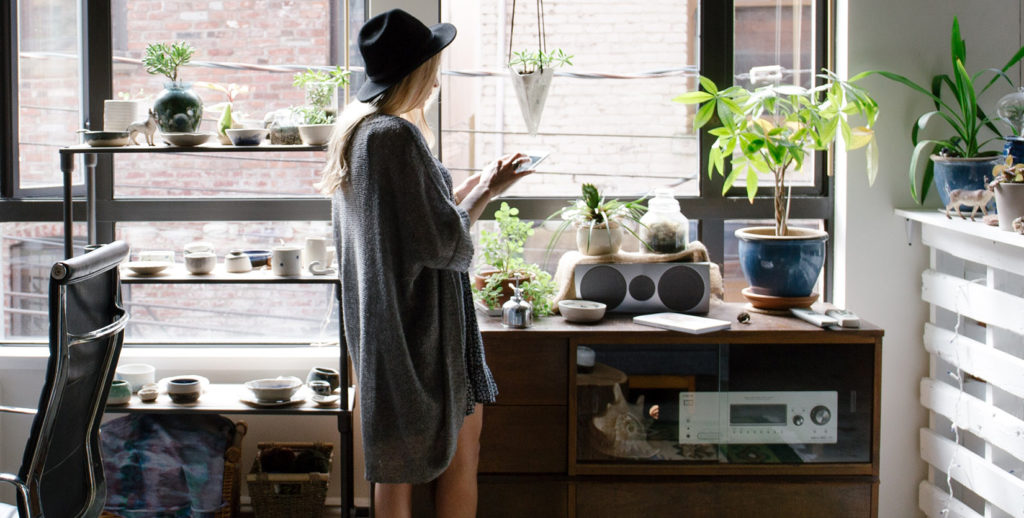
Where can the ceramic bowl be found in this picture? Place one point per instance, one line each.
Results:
(184, 389)
(136, 374)
(581, 311)
(157, 255)
(200, 263)
(331, 376)
(199, 246)
(281, 388)
(120, 393)
(258, 258)
(246, 136)
(315, 134)
(237, 262)
(147, 267)
(105, 138)
(186, 139)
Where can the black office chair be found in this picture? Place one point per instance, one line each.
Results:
(61, 474)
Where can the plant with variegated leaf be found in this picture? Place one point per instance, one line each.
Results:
(773, 129)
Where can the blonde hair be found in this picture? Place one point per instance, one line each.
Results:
(409, 98)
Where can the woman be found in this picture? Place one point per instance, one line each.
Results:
(404, 247)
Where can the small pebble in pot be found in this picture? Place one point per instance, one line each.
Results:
(743, 318)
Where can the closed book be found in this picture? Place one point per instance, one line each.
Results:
(683, 323)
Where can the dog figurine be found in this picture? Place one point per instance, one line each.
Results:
(1018, 225)
(974, 199)
(146, 127)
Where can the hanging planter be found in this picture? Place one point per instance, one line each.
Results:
(531, 71)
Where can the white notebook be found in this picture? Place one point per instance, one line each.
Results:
(684, 323)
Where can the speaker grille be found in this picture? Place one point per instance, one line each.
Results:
(603, 284)
(641, 288)
(681, 288)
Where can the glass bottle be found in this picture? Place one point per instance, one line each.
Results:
(663, 227)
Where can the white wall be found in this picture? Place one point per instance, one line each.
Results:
(878, 273)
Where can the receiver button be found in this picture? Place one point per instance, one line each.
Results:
(798, 420)
(708, 436)
(820, 415)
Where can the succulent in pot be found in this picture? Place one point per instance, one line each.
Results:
(501, 252)
(598, 222)
(178, 108)
(229, 116)
(773, 129)
(1008, 187)
(531, 73)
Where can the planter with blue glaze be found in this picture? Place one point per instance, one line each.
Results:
(178, 109)
(969, 174)
(781, 266)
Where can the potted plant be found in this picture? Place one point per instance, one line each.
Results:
(1008, 187)
(178, 109)
(960, 160)
(598, 222)
(321, 108)
(229, 118)
(773, 129)
(531, 73)
(501, 252)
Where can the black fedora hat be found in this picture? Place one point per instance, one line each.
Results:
(393, 44)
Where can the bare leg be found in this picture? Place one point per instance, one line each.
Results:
(392, 500)
(456, 494)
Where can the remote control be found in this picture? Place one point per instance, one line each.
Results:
(845, 318)
(813, 317)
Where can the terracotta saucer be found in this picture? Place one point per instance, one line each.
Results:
(772, 302)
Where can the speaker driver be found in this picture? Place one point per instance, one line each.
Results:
(680, 288)
(603, 284)
(641, 288)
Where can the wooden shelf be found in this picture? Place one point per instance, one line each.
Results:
(177, 274)
(205, 148)
(227, 399)
(978, 229)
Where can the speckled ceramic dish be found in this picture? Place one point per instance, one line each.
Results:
(186, 139)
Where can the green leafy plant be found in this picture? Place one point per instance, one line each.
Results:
(1007, 172)
(502, 250)
(592, 211)
(227, 114)
(165, 59)
(321, 84)
(314, 115)
(771, 130)
(963, 116)
(527, 62)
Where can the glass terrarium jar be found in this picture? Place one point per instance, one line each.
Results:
(664, 227)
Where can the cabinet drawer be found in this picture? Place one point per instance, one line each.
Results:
(524, 439)
(723, 499)
(529, 371)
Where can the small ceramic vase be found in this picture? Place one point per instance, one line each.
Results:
(237, 262)
(120, 393)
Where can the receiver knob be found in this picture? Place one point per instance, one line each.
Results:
(820, 415)
(798, 420)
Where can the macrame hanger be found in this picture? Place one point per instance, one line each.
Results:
(541, 36)
(511, 30)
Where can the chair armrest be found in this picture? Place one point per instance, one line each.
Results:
(18, 484)
(17, 410)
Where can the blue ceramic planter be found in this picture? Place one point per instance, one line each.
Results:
(1015, 146)
(178, 109)
(970, 174)
(781, 266)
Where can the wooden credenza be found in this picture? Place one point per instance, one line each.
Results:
(537, 454)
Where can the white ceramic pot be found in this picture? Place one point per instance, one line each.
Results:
(315, 134)
(200, 263)
(599, 239)
(1009, 203)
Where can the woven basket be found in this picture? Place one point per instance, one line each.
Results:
(288, 495)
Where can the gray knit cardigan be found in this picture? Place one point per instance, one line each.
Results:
(403, 246)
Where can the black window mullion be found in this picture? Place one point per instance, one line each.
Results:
(97, 82)
(9, 100)
(716, 63)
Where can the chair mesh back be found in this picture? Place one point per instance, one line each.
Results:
(62, 460)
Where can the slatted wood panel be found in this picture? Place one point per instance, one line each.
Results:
(975, 339)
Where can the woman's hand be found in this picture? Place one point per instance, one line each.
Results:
(495, 179)
(499, 175)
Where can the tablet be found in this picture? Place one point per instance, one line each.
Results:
(534, 160)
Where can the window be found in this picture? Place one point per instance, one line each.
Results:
(610, 122)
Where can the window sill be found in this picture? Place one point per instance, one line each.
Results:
(195, 358)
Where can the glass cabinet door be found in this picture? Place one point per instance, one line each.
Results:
(718, 403)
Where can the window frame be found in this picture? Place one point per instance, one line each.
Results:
(711, 208)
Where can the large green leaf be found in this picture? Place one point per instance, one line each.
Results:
(703, 115)
(693, 97)
(751, 185)
(709, 85)
(958, 48)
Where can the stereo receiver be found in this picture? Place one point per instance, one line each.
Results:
(758, 417)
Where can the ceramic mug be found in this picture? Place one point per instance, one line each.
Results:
(200, 263)
(136, 374)
(286, 260)
(331, 376)
(120, 392)
(183, 389)
(316, 250)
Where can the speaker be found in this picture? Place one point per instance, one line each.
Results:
(646, 287)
